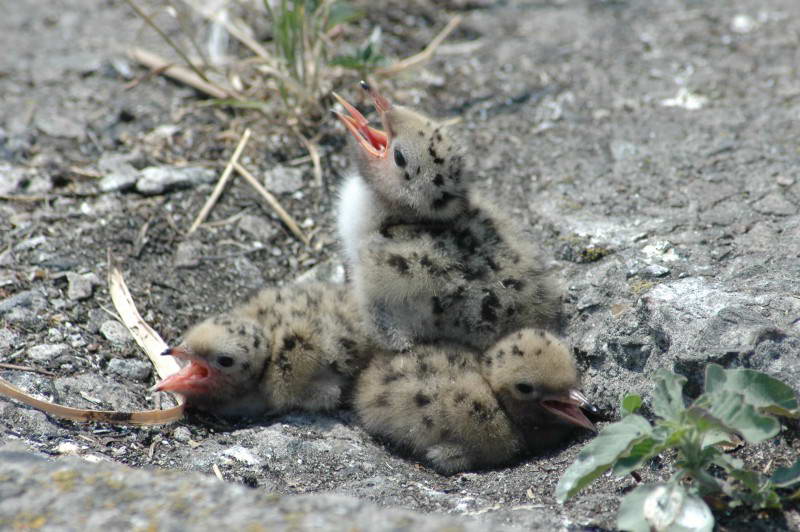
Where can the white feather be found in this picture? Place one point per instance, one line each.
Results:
(354, 215)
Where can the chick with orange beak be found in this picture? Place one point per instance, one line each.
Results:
(430, 259)
(458, 410)
(292, 348)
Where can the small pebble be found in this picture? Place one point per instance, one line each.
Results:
(182, 434)
(654, 270)
(133, 370)
(8, 341)
(283, 179)
(158, 179)
(188, 254)
(47, 352)
(260, 228)
(115, 332)
(79, 286)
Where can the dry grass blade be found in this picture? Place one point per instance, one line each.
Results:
(148, 417)
(212, 199)
(145, 336)
(180, 73)
(423, 56)
(18, 367)
(273, 202)
(313, 152)
(170, 42)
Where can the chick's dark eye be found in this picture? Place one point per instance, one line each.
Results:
(399, 158)
(524, 387)
(225, 361)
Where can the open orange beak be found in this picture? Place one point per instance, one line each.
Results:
(195, 378)
(569, 408)
(374, 141)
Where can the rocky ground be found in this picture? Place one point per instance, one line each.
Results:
(649, 147)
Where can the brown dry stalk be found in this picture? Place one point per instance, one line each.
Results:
(273, 202)
(313, 152)
(421, 57)
(180, 73)
(215, 194)
(146, 417)
(6, 365)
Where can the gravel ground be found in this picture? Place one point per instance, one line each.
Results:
(650, 148)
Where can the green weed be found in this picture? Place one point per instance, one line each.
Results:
(736, 403)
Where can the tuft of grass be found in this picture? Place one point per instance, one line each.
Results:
(301, 46)
(737, 404)
(290, 75)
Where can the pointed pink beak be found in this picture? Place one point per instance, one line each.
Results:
(194, 378)
(568, 407)
(374, 141)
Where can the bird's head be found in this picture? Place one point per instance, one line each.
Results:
(535, 377)
(224, 358)
(412, 163)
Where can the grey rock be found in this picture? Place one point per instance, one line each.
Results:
(118, 181)
(54, 335)
(775, 203)
(119, 173)
(23, 317)
(159, 179)
(62, 489)
(182, 434)
(28, 299)
(621, 150)
(30, 243)
(654, 270)
(56, 123)
(283, 179)
(248, 272)
(261, 229)
(115, 332)
(9, 341)
(132, 370)
(47, 353)
(92, 390)
(96, 318)
(8, 184)
(188, 254)
(29, 421)
(80, 286)
(122, 67)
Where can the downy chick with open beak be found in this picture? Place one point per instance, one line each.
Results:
(430, 259)
(458, 411)
(292, 348)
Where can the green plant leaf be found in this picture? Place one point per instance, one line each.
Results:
(342, 13)
(731, 410)
(348, 61)
(640, 452)
(664, 507)
(599, 454)
(668, 395)
(728, 462)
(714, 430)
(759, 389)
(786, 477)
(631, 403)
